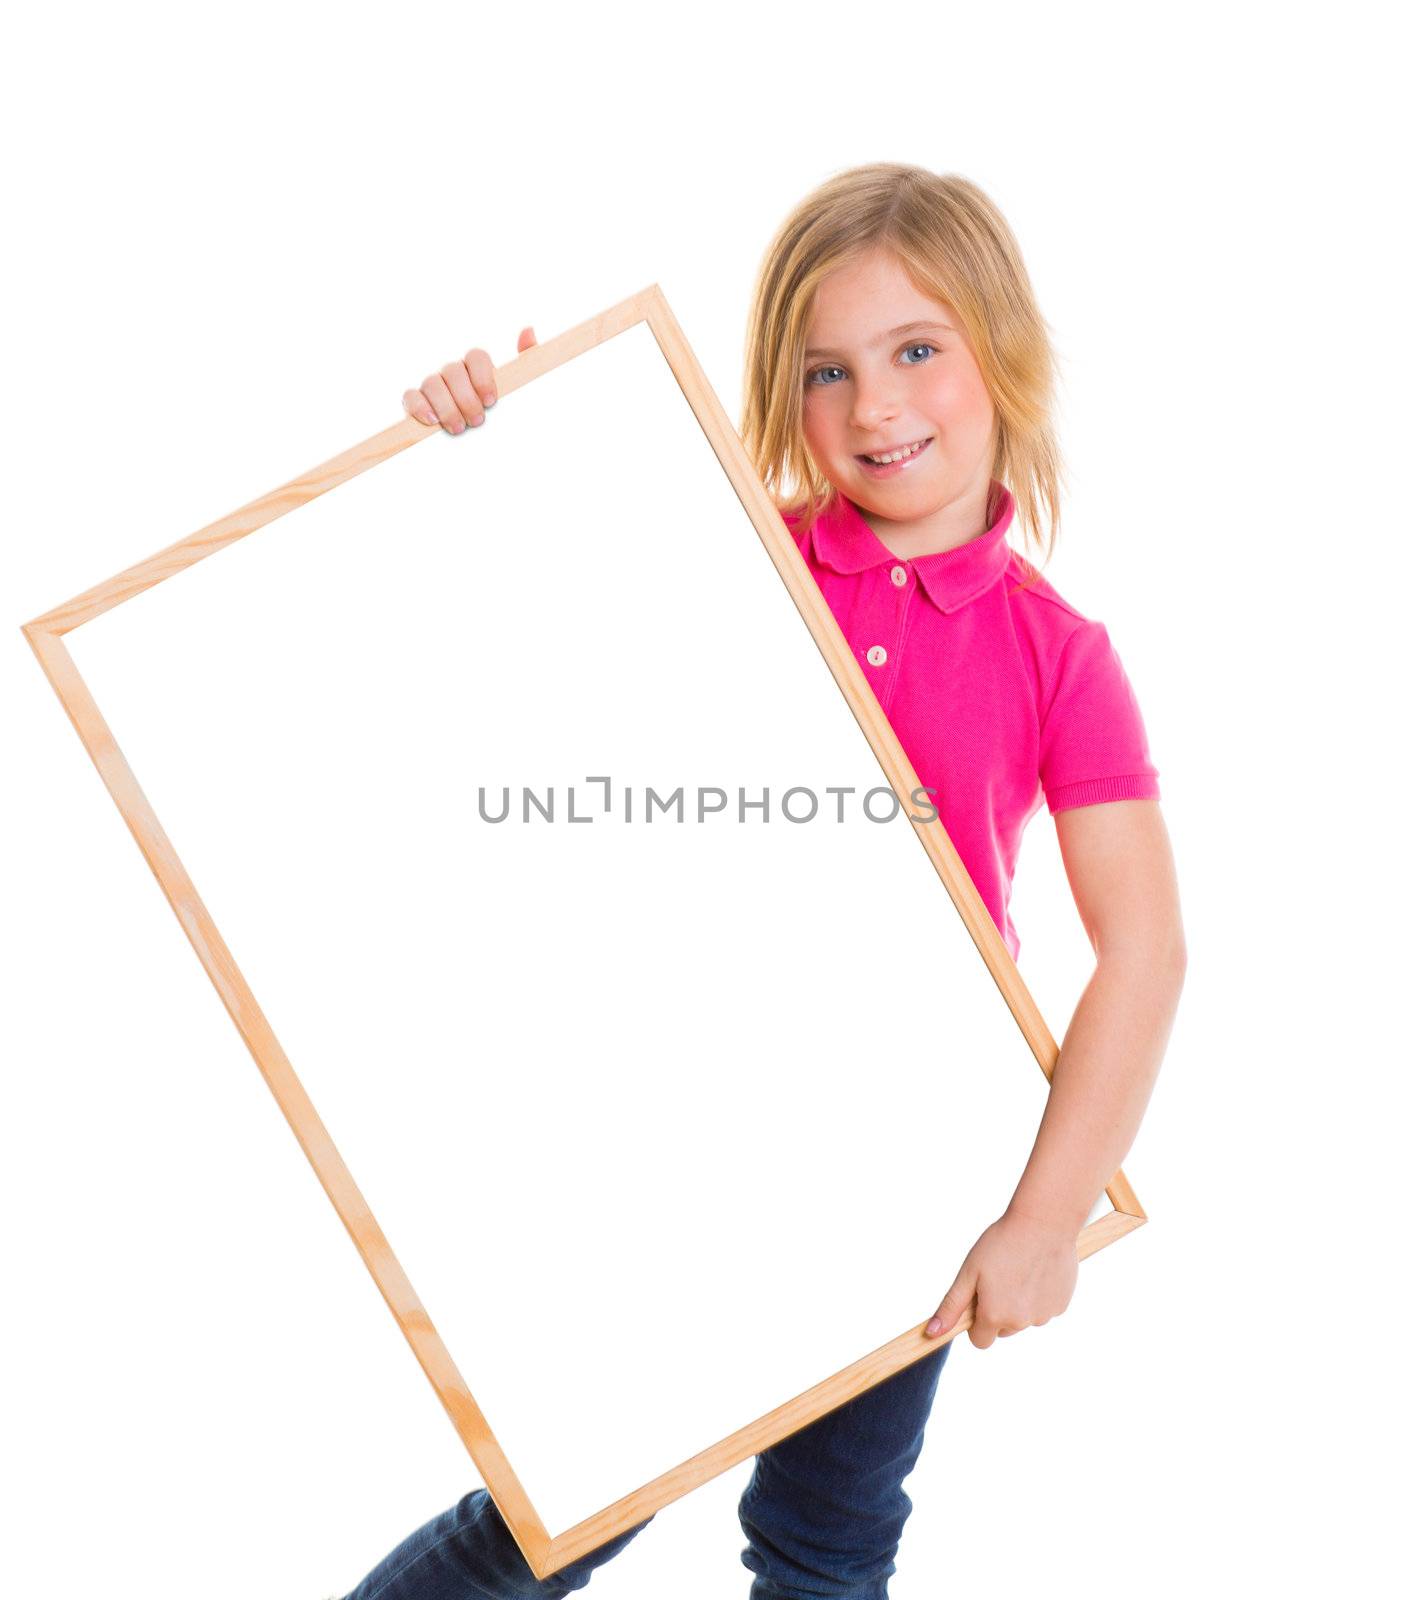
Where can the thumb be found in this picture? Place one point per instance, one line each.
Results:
(526, 338)
(953, 1306)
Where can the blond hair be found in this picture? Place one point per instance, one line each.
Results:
(956, 247)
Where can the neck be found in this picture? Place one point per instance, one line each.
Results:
(950, 525)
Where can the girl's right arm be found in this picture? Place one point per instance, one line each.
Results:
(455, 398)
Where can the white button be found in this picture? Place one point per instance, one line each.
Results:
(877, 655)
(898, 576)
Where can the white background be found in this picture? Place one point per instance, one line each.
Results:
(236, 237)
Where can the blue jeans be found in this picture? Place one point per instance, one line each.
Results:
(823, 1514)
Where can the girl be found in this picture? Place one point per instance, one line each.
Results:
(899, 372)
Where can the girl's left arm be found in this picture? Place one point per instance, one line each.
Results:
(1023, 1268)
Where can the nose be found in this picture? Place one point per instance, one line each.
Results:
(874, 403)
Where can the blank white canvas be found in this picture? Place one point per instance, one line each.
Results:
(666, 1121)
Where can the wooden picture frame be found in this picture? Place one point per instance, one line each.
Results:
(544, 1552)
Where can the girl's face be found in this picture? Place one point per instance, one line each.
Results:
(887, 367)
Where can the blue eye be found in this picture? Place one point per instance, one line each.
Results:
(814, 376)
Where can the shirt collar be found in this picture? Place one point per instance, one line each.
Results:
(843, 540)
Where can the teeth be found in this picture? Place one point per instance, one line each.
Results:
(896, 455)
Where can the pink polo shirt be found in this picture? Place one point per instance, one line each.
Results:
(1001, 696)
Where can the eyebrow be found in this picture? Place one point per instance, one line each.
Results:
(893, 333)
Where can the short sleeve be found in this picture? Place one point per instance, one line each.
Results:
(1092, 741)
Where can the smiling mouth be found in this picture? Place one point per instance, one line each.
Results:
(914, 448)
